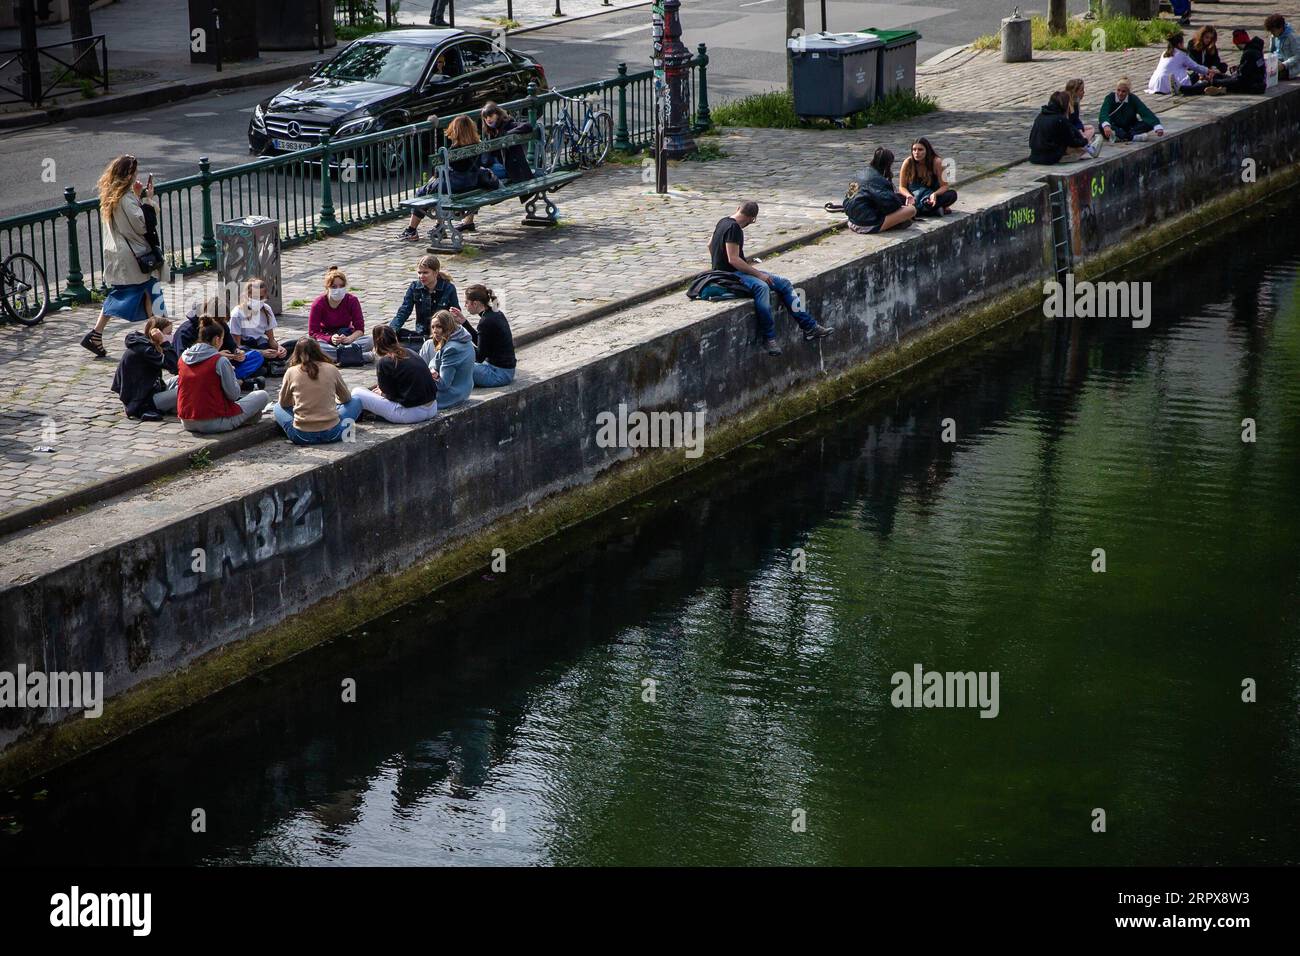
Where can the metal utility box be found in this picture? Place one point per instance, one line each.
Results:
(249, 249)
(834, 73)
(896, 64)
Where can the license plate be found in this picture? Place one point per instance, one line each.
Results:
(289, 145)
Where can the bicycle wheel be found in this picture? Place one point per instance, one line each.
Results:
(23, 290)
(601, 138)
(555, 147)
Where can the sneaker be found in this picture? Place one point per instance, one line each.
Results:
(464, 226)
(259, 383)
(94, 341)
(410, 234)
(772, 347)
(1215, 91)
(818, 331)
(1185, 20)
(1139, 137)
(151, 415)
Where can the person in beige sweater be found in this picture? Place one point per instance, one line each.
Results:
(136, 295)
(306, 408)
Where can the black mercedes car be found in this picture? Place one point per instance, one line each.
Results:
(391, 79)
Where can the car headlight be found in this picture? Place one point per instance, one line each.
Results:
(259, 117)
(356, 127)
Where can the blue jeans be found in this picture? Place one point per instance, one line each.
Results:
(487, 375)
(349, 412)
(1181, 7)
(762, 294)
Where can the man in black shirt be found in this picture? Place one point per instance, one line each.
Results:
(727, 252)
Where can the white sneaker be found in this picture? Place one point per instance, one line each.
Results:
(1140, 137)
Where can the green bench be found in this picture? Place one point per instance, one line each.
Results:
(444, 207)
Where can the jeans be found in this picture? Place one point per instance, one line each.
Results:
(438, 15)
(762, 294)
(390, 411)
(942, 200)
(347, 413)
(1181, 7)
(165, 401)
(250, 407)
(1125, 134)
(487, 375)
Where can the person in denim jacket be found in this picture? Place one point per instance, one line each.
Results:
(432, 292)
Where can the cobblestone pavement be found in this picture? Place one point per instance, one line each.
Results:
(617, 238)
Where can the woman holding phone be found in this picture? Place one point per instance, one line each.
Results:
(133, 263)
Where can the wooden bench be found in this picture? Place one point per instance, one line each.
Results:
(444, 206)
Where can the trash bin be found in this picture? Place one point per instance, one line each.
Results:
(896, 63)
(249, 249)
(834, 73)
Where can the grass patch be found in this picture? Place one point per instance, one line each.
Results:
(345, 32)
(470, 252)
(775, 110)
(1119, 33)
(297, 303)
(201, 459)
(504, 22)
(704, 152)
(622, 157)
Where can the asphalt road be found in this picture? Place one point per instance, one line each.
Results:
(745, 40)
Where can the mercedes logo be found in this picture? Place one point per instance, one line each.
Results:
(294, 130)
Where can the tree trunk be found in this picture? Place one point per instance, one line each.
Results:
(1056, 17)
(79, 24)
(794, 26)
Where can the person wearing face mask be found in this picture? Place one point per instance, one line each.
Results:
(1124, 118)
(138, 380)
(253, 325)
(335, 319)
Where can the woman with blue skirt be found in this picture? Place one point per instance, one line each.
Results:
(129, 211)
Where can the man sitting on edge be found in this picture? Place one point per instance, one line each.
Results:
(727, 249)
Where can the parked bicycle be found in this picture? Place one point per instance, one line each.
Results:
(587, 144)
(24, 292)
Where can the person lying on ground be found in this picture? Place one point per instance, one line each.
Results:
(335, 319)
(431, 291)
(1125, 118)
(1053, 140)
(1076, 90)
(727, 252)
(405, 392)
(1173, 67)
(306, 409)
(253, 323)
(494, 346)
(921, 181)
(449, 354)
(138, 380)
(207, 391)
(1286, 45)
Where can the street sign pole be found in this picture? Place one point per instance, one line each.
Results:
(661, 93)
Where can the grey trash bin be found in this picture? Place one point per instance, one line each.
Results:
(834, 73)
(897, 60)
(249, 249)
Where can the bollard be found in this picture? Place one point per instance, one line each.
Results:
(1017, 39)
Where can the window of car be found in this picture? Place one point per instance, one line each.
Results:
(391, 64)
(446, 64)
(480, 55)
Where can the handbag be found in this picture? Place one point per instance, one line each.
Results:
(151, 259)
(350, 356)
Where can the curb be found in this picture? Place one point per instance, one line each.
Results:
(156, 95)
(616, 8)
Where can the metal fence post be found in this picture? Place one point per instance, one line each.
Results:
(208, 244)
(74, 290)
(620, 128)
(216, 35)
(703, 120)
(325, 219)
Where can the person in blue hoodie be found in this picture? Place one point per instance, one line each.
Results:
(431, 292)
(1286, 45)
(449, 353)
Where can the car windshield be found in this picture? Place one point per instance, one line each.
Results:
(388, 63)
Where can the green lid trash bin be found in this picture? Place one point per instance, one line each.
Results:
(896, 62)
(834, 73)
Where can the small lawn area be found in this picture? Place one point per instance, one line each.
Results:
(1119, 34)
(775, 110)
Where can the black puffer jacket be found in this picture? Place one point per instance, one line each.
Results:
(1252, 71)
(870, 198)
(139, 373)
(1051, 135)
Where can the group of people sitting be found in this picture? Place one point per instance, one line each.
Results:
(220, 365)
(1185, 68)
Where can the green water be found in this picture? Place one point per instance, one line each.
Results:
(517, 699)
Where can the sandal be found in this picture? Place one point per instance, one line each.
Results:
(94, 341)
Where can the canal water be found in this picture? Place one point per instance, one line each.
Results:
(705, 675)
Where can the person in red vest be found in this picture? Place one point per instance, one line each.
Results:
(208, 398)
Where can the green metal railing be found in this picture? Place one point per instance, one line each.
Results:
(324, 190)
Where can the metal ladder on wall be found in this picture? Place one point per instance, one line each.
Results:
(1062, 250)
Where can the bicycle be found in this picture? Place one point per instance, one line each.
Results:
(24, 291)
(588, 144)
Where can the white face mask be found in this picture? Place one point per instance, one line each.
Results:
(255, 304)
(336, 295)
